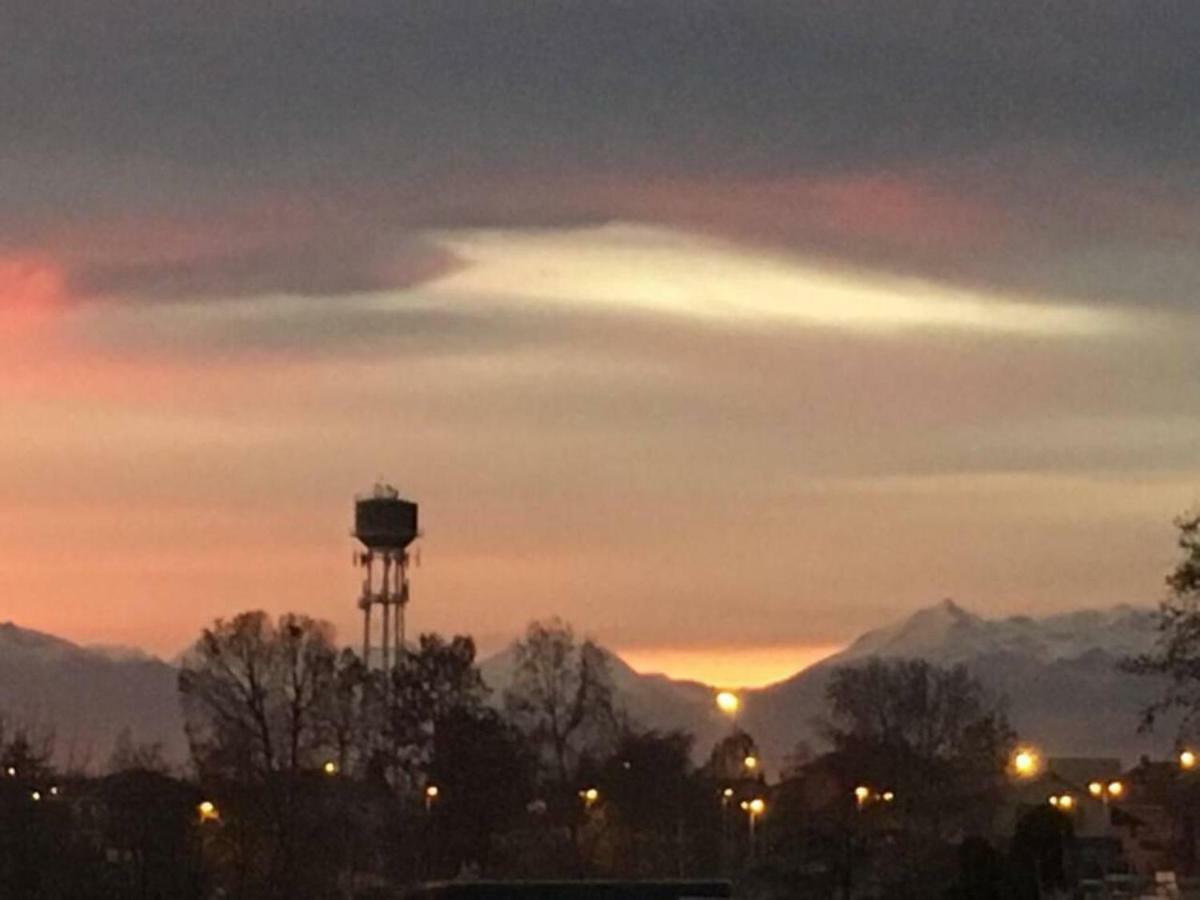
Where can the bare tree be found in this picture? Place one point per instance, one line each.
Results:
(561, 696)
(129, 755)
(1176, 658)
(252, 690)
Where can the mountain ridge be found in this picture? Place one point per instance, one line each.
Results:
(1059, 672)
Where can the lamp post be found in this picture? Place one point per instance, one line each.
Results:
(754, 808)
(432, 792)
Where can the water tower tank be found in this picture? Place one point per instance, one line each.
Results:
(383, 521)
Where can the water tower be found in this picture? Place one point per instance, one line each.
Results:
(385, 525)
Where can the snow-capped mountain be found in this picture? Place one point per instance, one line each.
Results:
(948, 634)
(1059, 674)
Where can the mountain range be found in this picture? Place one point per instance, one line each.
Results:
(85, 697)
(1059, 674)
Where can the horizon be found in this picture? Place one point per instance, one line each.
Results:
(731, 668)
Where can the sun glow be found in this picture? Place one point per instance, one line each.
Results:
(735, 667)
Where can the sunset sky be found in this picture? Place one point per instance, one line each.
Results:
(724, 330)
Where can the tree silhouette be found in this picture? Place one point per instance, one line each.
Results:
(561, 697)
(1177, 654)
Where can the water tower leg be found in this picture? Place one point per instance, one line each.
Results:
(387, 624)
(367, 633)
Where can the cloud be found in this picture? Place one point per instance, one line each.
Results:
(659, 271)
(1025, 147)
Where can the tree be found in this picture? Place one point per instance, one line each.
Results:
(656, 802)
(484, 776)
(561, 696)
(427, 685)
(344, 713)
(931, 735)
(252, 692)
(1176, 656)
(129, 755)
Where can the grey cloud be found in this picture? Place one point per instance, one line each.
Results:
(1053, 118)
(317, 266)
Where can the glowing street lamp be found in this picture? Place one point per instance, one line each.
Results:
(862, 794)
(729, 703)
(1187, 760)
(1025, 763)
(1062, 802)
(330, 767)
(750, 762)
(589, 796)
(432, 792)
(754, 808)
(208, 811)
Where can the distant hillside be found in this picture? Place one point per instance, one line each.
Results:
(1058, 672)
(86, 697)
(654, 701)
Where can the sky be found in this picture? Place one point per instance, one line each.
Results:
(723, 330)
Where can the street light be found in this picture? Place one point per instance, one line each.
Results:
(431, 794)
(750, 762)
(1063, 802)
(754, 808)
(589, 797)
(728, 702)
(862, 794)
(1113, 790)
(330, 768)
(1187, 759)
(208, 811)
(1025, 762)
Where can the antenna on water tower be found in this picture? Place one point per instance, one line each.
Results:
(385, 525)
